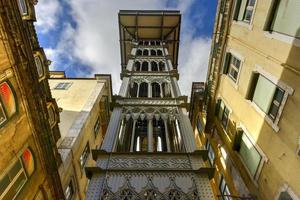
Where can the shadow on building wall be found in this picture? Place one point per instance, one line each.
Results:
(282, 170)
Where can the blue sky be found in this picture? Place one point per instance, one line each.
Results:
(81, 36)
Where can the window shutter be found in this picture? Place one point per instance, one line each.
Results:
(252, 85)
(237, 9)
(243, 4)
(264, 93)
(217, 107)
(237, 140)
(226, 63)
(286, 18)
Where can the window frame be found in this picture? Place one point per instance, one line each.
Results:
(97, 127)
(286, 188)
(72, 189)
(211, 152)
(22, 170)
(248, 24)
(84, 155)
(2, 104)
(222, 190)
(65, 85)
(263, 159)
(21, 8)
(226, 107)
(198, 121)
(227, 65)
(288, 91)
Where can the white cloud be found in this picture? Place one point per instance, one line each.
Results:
(95, 40)
(47, 12)
(193, 62)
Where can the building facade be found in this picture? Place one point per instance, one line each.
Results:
(253, 98)
(84, 116)
(28, 114)
(149, 151)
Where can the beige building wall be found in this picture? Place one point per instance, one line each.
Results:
(82, 103)
(276, 57)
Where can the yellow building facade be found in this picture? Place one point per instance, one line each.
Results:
(252, 102)
(85, 111)
(29, 116)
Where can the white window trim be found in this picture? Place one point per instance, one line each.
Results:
(243, 23)
(288, 91)
(230, 113)
(263, 155)
(283, 38)
(242, 60)
(286, 188)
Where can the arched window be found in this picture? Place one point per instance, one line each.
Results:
(51, 113)
(145, 52)
(157, 43)
(166, 90)
(8, 105)
(134, 90)
(139, 52)
(140, 42)
(162, 66)
(28, 161)
(23, 7)
(159, 135)
(153, 52)
(125, 134)
(143, 91)
(141, 143)
(159, 52)
(174, 136)
(137, 66)
(154, 66)
(145, 65)
(146, 42)
(155, 89)
(152, 43)
(39, 66)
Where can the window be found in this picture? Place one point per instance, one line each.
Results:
(222, 113)
(145, 52)
(51, 113)
(8, 105)
(244, 10)
(84, 156)
(232, 66)
(250, 155)
(39, 66)
(159, 52)
(133, 89)
(211, 153)
(97, 127)
(23, 7)
(139, 52)
(224, 190)
(199, 126)
(155, 90)
(12, 182)
(161, 66)
(285, 17)
(153, 52)
(266, 95)
(143, 90)
(145, 65)
(154, 66)
(69, 191)
(63, 86)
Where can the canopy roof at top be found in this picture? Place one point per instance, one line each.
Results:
(135, 25)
